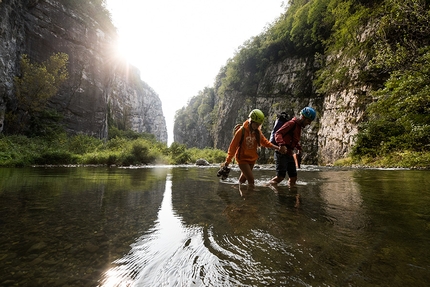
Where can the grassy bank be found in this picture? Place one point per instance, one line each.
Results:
(121, 150)
(406, 159)
(126, 149)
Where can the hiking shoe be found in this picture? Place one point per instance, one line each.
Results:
(223, 172)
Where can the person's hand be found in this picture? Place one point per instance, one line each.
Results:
(283, 149)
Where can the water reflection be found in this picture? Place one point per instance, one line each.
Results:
(63, 226)
(182, 226)
(169, 254)
(343, 205)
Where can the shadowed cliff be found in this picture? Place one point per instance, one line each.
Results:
(101, 86)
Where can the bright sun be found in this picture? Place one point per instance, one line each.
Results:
(123, 49)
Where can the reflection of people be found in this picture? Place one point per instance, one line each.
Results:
(297, 197)
(288, 138)
(245, 143)
(246, 192)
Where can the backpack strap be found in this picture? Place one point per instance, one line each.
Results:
(291, 131)
(241, 140)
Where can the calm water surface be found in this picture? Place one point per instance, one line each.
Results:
(181, 226)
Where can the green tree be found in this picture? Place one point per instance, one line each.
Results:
(179, 153)
(401, 111)
(403, 108)
(35, 86)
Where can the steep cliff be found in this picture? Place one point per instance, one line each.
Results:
(100, 83)
(307, 58)
(193, 123)
(285, 86)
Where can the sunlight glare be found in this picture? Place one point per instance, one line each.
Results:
(124, 50)
(128, 49)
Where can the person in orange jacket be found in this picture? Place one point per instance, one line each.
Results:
(244, 146)
(288, 139)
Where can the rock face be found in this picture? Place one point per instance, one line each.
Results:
(338, 125)
(101, 85)
(192, 126)
(286, 86)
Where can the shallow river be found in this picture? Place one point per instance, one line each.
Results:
(182, 226)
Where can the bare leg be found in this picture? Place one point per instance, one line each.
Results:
(276, 180)
(246, 174)
(296, 161)
(292, 181)
(245, 191)
(242, 178)
(297, 204)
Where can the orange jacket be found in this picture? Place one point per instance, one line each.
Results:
(247, 152)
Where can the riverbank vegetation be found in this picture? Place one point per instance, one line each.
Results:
(405, 159)
(123, 148)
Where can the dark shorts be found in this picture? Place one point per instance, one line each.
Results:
(285, 164)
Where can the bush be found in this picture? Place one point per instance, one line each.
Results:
(55, 157)
(141, 153)
(116, 144)
(19, 150)
(129, 134)
(378, 138)
(81, 144)
(209, 154)
(179, 154)
(101, 158)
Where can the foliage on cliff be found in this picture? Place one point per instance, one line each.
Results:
(197, 116)
(37, 83)
(399, 119)
(96, 8)
(382, 45)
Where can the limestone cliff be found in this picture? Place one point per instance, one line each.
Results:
(100, 84)
(286, 86)
(292, 65)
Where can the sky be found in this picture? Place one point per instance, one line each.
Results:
(180, 46)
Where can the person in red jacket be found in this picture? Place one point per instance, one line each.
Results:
(288, 139)
(244, 146)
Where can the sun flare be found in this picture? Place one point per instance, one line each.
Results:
(123, 49)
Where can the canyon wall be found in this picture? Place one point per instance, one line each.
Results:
(286, 86)
(101, 85)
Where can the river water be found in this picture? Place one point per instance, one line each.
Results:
(182, 226)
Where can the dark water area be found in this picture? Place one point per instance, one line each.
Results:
(182, 226)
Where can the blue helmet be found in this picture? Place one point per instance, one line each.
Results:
(309, 113)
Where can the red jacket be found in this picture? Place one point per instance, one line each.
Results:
(247, 153)
(289, 135)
